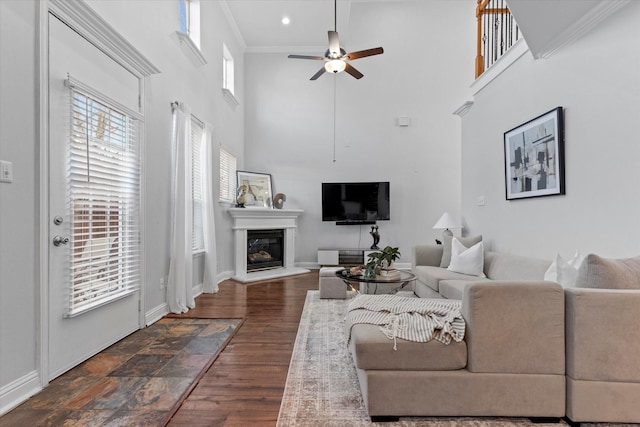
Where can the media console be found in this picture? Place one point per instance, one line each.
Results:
(343, 256)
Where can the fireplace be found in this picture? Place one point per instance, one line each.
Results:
(265, 249)
(262, 238)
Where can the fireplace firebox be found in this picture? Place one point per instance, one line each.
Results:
(265, 249)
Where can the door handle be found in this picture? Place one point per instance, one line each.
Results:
(59, 240)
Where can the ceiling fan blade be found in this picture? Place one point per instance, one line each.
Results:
(365, 53)
(318, 74)
(334, 43)
(355, 73)
(318, 58)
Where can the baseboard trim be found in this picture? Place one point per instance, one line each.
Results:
(156, 313)
(18, 391)
(225, 275)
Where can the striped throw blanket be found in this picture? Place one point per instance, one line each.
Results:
(412, 319)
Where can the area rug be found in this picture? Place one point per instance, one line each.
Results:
(322, 386)
(139, 381)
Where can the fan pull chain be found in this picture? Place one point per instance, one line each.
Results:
(334, 117)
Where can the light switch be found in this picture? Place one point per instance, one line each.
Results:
(480, 201)
(6, 171)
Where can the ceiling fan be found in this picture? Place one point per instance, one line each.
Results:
(336, 58)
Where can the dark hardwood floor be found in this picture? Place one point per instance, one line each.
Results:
(244, 386)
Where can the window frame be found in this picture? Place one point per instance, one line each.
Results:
(189, 25)
(189, 20)
(228, 70)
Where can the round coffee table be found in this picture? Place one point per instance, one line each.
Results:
(370, 286)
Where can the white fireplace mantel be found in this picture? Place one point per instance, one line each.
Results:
(245, 219)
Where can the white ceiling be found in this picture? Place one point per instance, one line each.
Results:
(545, 24)
(259, 24)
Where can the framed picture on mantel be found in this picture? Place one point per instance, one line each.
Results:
(534, 157)
(256, 188)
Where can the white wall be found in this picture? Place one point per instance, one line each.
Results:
(422, 74)
(596, 80)
(18, 201)
(150, 27)
(152, 31)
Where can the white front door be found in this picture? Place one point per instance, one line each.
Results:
(93, 286)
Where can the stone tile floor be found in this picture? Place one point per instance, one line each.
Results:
(139, 381)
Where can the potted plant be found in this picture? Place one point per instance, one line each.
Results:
(380, 261)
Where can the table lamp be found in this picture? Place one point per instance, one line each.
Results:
(446, 222)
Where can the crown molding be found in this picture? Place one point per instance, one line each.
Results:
(463, 109)
(83, 19)
(224, 5)
(582, 26)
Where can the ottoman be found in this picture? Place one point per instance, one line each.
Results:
(331, 286)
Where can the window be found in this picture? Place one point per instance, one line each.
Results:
(104, 188)
(197, 174)
(227, 70)
(189, 19)
(227, 176)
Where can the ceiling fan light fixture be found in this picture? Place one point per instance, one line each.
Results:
(335, 66)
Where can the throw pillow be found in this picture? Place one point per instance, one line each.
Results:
(446, 247)
(598, 272)
(467, 260)
(564, 272)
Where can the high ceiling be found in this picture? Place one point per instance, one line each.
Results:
(546, 24)
(259, 22)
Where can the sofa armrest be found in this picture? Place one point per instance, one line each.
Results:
(603, 334)
(426, 255)
(514, 327)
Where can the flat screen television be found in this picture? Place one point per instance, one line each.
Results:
(355, 202)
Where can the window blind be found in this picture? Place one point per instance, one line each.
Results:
(103, 180)
(227, 176)
(197, 163)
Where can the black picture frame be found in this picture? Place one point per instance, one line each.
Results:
(534, 157)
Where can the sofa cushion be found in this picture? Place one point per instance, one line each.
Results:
(503, 266)
(564, 272)
(603, 334)
(514, 328)
(372, 350)
(452, 289)
(467, 260)
(446, 247)
(431, 276)
(598, 272)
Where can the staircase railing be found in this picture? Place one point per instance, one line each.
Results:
(497, 32)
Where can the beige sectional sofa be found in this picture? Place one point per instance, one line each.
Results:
(531, 348)
(603, 342)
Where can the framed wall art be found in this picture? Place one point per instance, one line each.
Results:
(534, 157)
(255, 189)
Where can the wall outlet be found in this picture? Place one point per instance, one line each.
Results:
(162, 283)
(480, 201)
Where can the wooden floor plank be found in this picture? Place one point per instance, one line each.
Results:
(245, 384)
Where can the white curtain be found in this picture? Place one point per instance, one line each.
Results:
(179, 288)
(209, 282)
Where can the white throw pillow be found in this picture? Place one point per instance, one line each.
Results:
(564, 272)
(467, 261)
